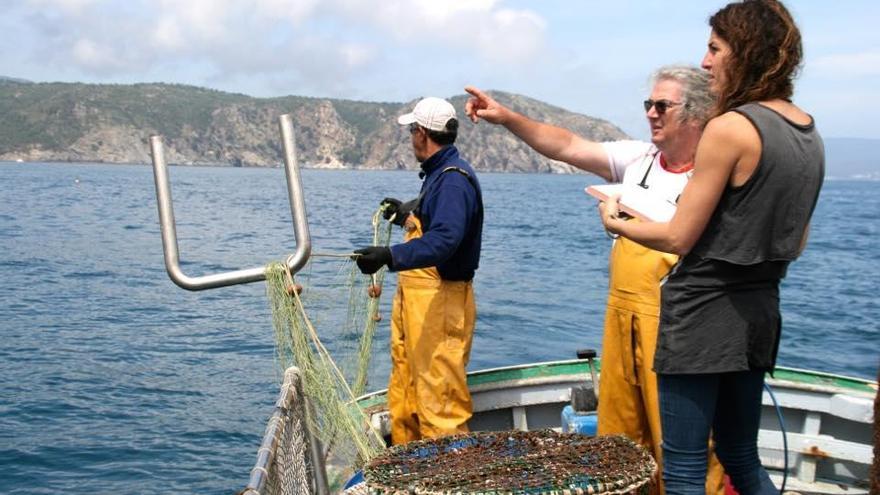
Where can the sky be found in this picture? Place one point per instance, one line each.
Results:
(592, 57)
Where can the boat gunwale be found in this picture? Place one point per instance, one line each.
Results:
(521, 373)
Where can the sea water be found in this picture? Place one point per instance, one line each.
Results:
(114, 380)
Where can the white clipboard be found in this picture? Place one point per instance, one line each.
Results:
(636, 201)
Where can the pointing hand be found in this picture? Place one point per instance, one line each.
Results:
(480, 105)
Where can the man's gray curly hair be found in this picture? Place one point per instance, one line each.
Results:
(697, 100)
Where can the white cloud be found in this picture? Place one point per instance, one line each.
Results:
(202, 20)
(515, 37)
(356, 56)
(441, 11)
(167, 34)
(295, 11)
(318, 43)
(68, 6)
(845, 65)
(91, 54)
(480, 27)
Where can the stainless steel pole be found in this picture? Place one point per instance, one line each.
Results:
(169, 231)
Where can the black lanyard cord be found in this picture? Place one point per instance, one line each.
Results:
(644, 182)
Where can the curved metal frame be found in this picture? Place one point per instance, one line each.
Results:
(290, 397)
(169, 230)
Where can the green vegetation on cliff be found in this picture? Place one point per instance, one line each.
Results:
(113, 123)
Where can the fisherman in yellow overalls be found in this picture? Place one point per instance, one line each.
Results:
(433, 312)
(677, 110)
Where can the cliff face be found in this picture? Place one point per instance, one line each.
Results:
(113, 123)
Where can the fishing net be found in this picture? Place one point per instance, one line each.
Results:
(512, 462)
(331, 385)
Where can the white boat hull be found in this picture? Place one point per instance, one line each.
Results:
(828, 421)
(828, 418)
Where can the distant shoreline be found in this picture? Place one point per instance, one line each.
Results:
(829, 178)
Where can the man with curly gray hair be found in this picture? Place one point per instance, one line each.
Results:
(677, 109)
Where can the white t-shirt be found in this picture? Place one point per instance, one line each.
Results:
(638, 162)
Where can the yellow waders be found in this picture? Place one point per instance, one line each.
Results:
(432, 326)
(628, 400)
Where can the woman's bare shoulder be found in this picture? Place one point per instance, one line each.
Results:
(732, 128)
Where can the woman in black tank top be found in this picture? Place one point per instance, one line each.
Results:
(742, 218)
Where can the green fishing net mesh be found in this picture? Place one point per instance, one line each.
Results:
(331, 383)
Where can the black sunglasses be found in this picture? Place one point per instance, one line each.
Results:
(414, 128)
(660, 105)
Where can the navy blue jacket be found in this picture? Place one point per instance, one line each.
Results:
(451, 212)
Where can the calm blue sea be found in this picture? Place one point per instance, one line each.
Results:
(114, 380)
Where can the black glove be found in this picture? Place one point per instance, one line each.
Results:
(373, 258)
(401, 209)
(391, 207)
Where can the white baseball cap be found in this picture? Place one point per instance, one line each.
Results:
(431, 113)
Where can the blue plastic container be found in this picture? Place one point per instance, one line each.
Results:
(356, 479)
(578, 422)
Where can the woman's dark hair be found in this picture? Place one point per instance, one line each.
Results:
(446, 136)
(766, 52)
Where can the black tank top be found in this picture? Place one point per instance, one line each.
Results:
(720, 304)
(765, 218)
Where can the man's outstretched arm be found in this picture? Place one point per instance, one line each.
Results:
(551, 141)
